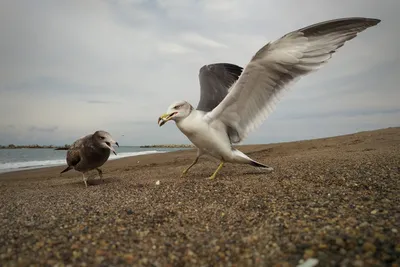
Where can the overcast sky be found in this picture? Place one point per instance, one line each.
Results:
(68, 68)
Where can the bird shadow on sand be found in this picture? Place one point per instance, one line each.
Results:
(91, 182)
(226, 176)
(239, 170)
(263, 173)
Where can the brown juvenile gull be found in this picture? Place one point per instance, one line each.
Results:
(234, 103)
(90, 152)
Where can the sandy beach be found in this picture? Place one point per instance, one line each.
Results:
(334, 199)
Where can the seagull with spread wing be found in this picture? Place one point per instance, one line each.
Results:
(234, 102)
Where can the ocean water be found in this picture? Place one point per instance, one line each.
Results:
(31, 158)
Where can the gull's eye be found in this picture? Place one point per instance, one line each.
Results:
(177, 106)
(102, 137)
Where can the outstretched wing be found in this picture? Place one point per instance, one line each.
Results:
(254, 96)
(215, 81)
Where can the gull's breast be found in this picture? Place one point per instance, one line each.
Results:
(212, 139)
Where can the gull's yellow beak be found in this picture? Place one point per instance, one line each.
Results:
(164, 118)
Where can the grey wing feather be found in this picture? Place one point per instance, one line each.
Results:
(215, 81)
(74, 152)
(73, 157)
(278, 65)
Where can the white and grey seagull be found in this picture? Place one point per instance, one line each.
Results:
(234, 102)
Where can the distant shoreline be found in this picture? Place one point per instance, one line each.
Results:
(66, 147)
(168, 146)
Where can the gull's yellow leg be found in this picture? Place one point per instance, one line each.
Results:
(191, 165)
(217, 170)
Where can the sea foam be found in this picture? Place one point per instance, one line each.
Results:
(26, 165)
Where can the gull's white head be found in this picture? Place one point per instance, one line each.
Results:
(104, 139)
(177, 111)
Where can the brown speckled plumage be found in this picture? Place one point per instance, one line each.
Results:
(89, 152)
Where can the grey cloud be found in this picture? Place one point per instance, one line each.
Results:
(282, 130)
(101, 102)
(66, 60)
(340, 113)
(46, 84)
(43, 129)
